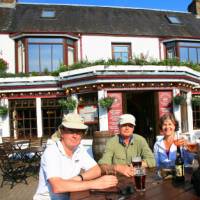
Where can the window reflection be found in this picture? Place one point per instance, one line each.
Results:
(188, 51)
(121, 52)
(47, 54)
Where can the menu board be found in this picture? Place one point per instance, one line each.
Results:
(89, 113)
(114, 112)
(165, 102)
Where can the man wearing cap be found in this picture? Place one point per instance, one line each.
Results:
(121, 148)
(63, 161)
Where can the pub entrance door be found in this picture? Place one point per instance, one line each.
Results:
(142, 105)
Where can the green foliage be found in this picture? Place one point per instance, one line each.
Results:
(106, 102)
(141, 60)
(3, 110)
(69, 103)
(3, 65)
(179, 99)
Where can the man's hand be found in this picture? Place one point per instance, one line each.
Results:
(126, 170)
(104, 182)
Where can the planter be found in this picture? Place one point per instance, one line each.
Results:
(106, 102)
(3, 110)
(68, 104)
(179, 99)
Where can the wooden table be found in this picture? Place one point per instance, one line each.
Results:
(155, 189)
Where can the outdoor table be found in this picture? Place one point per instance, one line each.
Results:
(155, 189)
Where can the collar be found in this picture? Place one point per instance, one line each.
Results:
(121, 140)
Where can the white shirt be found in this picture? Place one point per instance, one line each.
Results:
(164, 160)
(55, 163)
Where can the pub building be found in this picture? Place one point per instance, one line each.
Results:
(30, 43)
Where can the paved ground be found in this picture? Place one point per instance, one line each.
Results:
(20, 191)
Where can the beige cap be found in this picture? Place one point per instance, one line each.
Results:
(73, 121)
(127, 119)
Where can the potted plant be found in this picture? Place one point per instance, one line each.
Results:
(3, 110)
(196, 100)
(69, 103)
(106, 102)
(179, 99)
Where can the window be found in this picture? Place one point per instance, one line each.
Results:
(185, 51)
(45, 54)
(196, 116)
(121, 52)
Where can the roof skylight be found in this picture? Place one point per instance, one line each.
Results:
(48, 14)
(174, 20)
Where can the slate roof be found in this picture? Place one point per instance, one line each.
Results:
(97, 20)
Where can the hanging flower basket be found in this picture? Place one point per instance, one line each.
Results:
(106, 102)
(179, 99)
(196, 100)
(69, 103)
(3, 110)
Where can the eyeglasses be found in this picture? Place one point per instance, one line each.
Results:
(72, 131)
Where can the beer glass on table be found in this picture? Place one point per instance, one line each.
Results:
(140, 178)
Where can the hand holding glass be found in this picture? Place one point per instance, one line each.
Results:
(179, 140)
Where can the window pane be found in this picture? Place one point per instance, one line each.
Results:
(171, 53)
(45, 40)
(70, 56)
(198, 56)
(189, 44)
(117, 56)
(33, 58)
(193, 55)
(57, 56)
(124, 57)
(45, 53)
(121, 49)
(183, 54)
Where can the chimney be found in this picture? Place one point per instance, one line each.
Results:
(8, 3)
(194, 7)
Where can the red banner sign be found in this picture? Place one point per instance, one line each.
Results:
(165, 102)
(114, 112)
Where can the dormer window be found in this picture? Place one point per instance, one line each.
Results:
(48, 14)
(174, 19)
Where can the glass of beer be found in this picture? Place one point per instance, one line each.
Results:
(191, 143)
(179, 140)
(137, 161)
(139, 178)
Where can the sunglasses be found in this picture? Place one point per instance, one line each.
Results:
(72, 131)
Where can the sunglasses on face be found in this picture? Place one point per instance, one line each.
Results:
(72, 131)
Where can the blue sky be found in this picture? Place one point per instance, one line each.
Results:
(176, 5)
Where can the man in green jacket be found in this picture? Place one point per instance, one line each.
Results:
(121, 148)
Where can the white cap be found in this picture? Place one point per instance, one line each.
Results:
(127, 119)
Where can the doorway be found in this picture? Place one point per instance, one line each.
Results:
(142, 105)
